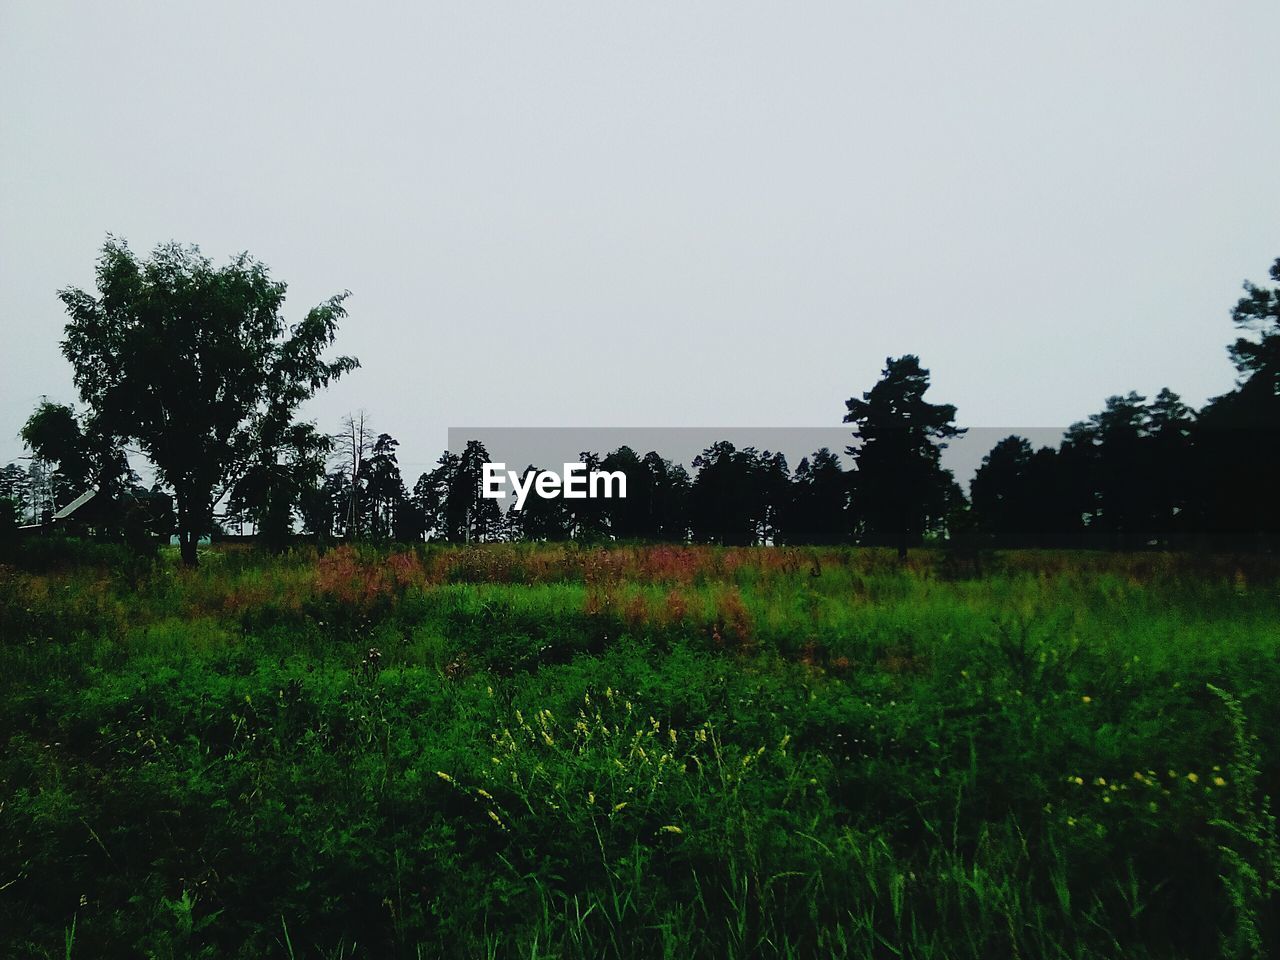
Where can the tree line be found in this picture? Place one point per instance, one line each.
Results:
(194, 366)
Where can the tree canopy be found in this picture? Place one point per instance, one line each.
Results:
(196, 364)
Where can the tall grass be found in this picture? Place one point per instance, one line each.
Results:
(669, 751)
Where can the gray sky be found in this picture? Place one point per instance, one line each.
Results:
(612, 214)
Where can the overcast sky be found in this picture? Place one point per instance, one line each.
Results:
(663, 214)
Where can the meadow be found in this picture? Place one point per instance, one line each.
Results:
(641, 751)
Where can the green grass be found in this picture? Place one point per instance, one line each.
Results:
(690, 752)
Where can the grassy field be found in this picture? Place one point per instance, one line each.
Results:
(639, 752)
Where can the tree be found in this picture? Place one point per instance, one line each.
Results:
(669, 488)
(737, 496)
(1170, 465)
(195, 364)
(1238, 433)
(451, 498)
(629, 517)
(901, 489)
(384, 487)
(53, 434)
(1002, 495)
(353, 445)
(278, 480)
(1256, 353)
(818, 511)
(542, 518)
(15, 486)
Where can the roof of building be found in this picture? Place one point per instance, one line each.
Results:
(67, 511)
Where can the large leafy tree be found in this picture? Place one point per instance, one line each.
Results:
(901, 489)
(196, 365)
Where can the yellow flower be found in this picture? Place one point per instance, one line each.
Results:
(484, 793)
(1078, 781)
(1086, 699)
(1194, 778)
(1219, 782)
(670, 828)
(1100, 782)
(618, 806)
(591, 797)
(445, 777)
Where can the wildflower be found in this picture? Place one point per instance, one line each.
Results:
(496, 819)
(1100, 782)
(671, 828)
(782, 744)
(484, 793)
(617, 807)
(591, 797)
(1078, 781)
(1071, 821)
(1086, 699)
(1193, 777)
(1219, 782)
(445, 777)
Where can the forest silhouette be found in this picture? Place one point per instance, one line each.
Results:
(194, 365)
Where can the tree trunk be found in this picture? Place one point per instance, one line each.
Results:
(187, 540)
(188, 534)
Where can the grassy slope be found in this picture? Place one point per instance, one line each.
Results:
(641, 752)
